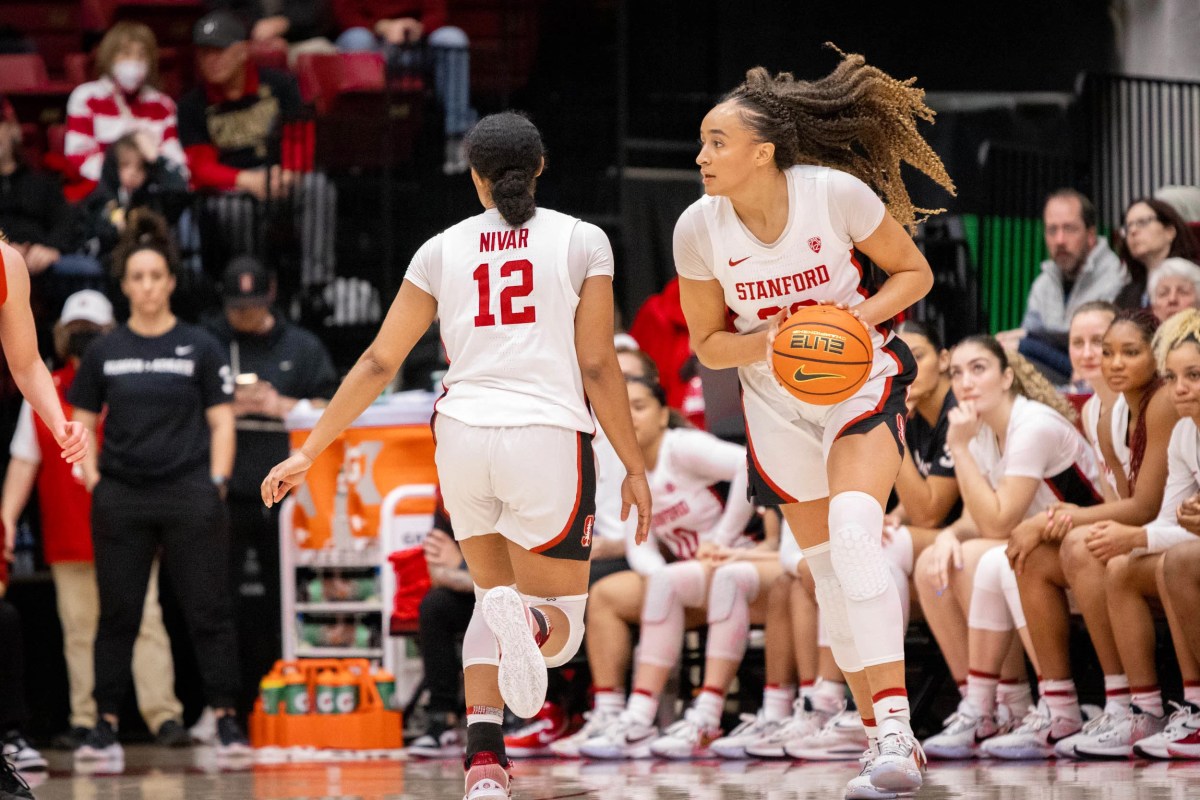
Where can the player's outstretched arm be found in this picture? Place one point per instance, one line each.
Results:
(19, 338)
(604, 385)
(411, 314)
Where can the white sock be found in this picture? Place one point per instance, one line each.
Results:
(1148, 699)
(1015, 696)
(1116, 694)
(891, 705)
(708, 705)
(1061, 699)
(981, 692)
(829, 697)
(642, 707)
(777, 702)
(608, 701)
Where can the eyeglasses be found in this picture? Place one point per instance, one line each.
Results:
(1137, 224)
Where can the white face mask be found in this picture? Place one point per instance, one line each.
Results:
(130, 73)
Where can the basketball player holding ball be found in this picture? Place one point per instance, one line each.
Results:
(791, 172)
(524, 296)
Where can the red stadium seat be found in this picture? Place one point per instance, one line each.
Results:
(504, 39)
(53, 25)
(323, 78)
(22, 72)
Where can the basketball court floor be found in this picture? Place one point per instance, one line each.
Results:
(154, 774)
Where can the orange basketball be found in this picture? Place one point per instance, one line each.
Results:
(822, 355)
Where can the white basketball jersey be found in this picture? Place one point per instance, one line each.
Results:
(1090, 418)
(686, 509)
(507, 310)
(810, 263)
(1041, 443)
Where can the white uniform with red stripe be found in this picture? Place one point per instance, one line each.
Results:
(1040, 443)
(811, 263)
(686, 510)
(513, 427)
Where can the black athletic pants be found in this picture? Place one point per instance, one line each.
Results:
(444, 617)
(14, 713)
(254, 579)
(187, 520)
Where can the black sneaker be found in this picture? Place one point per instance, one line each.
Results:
(12, 785)
(21, 754)
(69, 740)
(231, 740)
(100, 744)
(172, 734)
(441, 739)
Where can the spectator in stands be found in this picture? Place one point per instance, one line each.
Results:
(1174, 286)
(33, 212)
(1081, 268)
(395, 27)
(233, 126)
(275, 365)
(65, 509)
(159, 483)
(134, 176)
(122, 100)
(300, 26)
(1152, 232)
(444, 615)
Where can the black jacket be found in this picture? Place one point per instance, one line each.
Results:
(33, 210)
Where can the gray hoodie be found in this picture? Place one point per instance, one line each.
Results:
(1100, 278)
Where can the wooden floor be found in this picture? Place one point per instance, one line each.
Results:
(151, 773)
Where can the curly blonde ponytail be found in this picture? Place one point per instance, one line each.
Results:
(1029, 381)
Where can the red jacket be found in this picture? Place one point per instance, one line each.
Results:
(661, 331)
(365, 13)
(65, 503)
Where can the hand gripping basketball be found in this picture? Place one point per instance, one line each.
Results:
(822, 354)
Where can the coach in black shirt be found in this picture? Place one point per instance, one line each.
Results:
(275, 364)
(167, 454)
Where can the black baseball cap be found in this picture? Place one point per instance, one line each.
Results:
(219, 29)
(246, 283)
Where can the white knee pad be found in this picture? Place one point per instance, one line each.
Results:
(856, 545)
(668, 592)
(1012, 595)
(734, 587)
(989, 608)
(574, 608)
(832, 605)
(479, 643)
(680, 584)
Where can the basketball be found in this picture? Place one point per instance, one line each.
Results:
(822, 355)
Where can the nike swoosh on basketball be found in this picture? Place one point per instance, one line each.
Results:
(733, 263)
(802, 376)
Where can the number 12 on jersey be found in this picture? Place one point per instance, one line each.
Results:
(509, 315)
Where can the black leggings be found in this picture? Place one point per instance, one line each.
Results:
(13, 711)
(444, 616)
(187, 519)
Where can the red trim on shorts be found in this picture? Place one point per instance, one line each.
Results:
(578, 498)
(898, 692)
(883, 398)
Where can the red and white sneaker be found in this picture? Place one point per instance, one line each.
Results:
(1187, 742)
(1034, 739)
(535, 738)
(690, 737)
(899, 764)
(1183, 723)
(487, 779)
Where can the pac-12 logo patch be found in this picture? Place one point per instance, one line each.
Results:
(586, 541)
(815, 244)
(900, 429)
